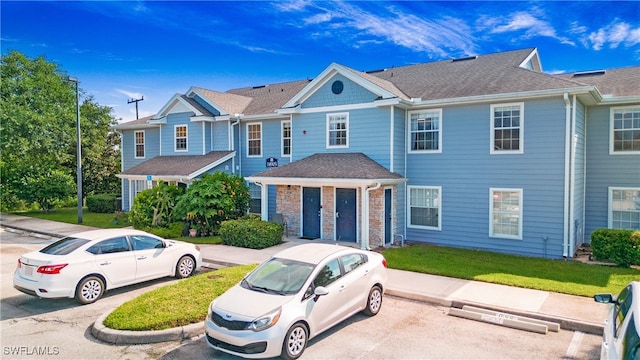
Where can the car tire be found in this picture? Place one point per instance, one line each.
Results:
(374, 301)
(89, 290)
(295, 342)
(185, 267)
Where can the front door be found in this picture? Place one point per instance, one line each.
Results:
(346, 215)
(311, 212)
(388, 236)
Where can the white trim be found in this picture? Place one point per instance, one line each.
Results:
(492, 232)
(439, 130)
(394, 216)
(439, 207)
(135, 144)
(492, 149)
(391, 139)
(611, 189)
(282, 123)
(331, 116)
(175, 138)
(261, 139)
(171, 103)
(612, 111)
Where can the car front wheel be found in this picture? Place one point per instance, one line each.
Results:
(89, 290)
(374, 301)
(294, 342)
(185, 267)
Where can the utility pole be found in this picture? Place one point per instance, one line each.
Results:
(135, 101)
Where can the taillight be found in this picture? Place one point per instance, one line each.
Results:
(19, 264)
(51, 269)
(384, 262)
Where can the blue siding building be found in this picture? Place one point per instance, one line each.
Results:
(486, 152)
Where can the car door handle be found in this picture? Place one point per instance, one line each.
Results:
(142, 257)
(105, 263)
(366, 272)
(342, 288)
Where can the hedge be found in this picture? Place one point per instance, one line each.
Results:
(619, 246)
(101, 203)
(250, 233)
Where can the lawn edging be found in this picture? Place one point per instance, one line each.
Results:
(129, 337)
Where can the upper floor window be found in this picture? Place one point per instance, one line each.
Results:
(139, 138)
(507, 128)
(425, 207)
(624, 208)
(625, 130)
(286, 138)
(181, 137)
(254, 139)
(338, 130)
(425, 131)
(505, 212)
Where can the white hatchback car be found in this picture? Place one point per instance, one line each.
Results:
(621, 338)
(87, 264)
(292, 297)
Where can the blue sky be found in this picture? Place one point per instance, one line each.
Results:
(129, 49)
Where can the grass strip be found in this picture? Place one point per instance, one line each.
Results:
(568, 277)
(185, 302)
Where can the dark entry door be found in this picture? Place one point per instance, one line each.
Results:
(346, 215)
(388, 237)
(311, 211)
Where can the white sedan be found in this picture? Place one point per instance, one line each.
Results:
(87, 264)
(292, 297)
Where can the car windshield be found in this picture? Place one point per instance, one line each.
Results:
(64, 246)
(278, 276)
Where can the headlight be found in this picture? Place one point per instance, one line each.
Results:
(266, 321)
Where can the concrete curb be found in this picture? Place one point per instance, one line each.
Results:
(126, 337)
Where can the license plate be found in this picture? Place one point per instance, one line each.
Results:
(28, 270)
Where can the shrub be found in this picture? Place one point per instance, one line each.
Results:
(211, 200)
(153, 207)
(101, 203)
(173, 231)
(619, 246)
(251, 233)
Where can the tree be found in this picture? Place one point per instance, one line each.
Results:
(38, 135)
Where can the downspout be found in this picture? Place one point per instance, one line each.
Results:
(231, 146)
(567, 175)
(391, 132)
(365, 216)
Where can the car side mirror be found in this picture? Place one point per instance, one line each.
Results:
(604, 298)
(319, 291)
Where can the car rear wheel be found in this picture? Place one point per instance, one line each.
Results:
(89, 290)
(185, 267)
(374, 301)
(294, 342)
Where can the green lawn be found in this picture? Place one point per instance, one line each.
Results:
(70, 216)
(568, 277)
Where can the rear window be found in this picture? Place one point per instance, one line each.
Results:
(64, 246)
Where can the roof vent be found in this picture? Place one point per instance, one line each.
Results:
(465, 58)
(259, 87)
(589, 73)
(374, 71)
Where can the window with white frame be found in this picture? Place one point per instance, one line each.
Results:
(139, 139)
(624, 208)
(181, 137)
(507, 128)
(625, 130)
(425, 207)
(286, 138)
(338, 130)
(254, 139)
(255, 206)
(425, 131)
(505, 212)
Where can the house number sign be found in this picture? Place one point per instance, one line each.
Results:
(272, 162)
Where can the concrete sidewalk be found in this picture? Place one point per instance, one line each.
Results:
(571, 312)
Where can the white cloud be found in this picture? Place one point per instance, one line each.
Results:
(614, 35)
(129, 94)
(530, 26)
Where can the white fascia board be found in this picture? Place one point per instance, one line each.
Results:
(211, 166)
(621, 100)
(135, 127)
(171, 103)
(321, 181)
(155, 177)
(334, 108)
(326, 75)
(202, 118)
(272, 116)
(158, 121)
(509, 96)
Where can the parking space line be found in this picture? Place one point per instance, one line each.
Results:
(574, 345)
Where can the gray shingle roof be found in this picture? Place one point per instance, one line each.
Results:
(230, 103)
(332, 166)
(269, 98)
(176, 165)
(615, 82)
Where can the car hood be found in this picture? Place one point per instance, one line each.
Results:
(243, 303)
